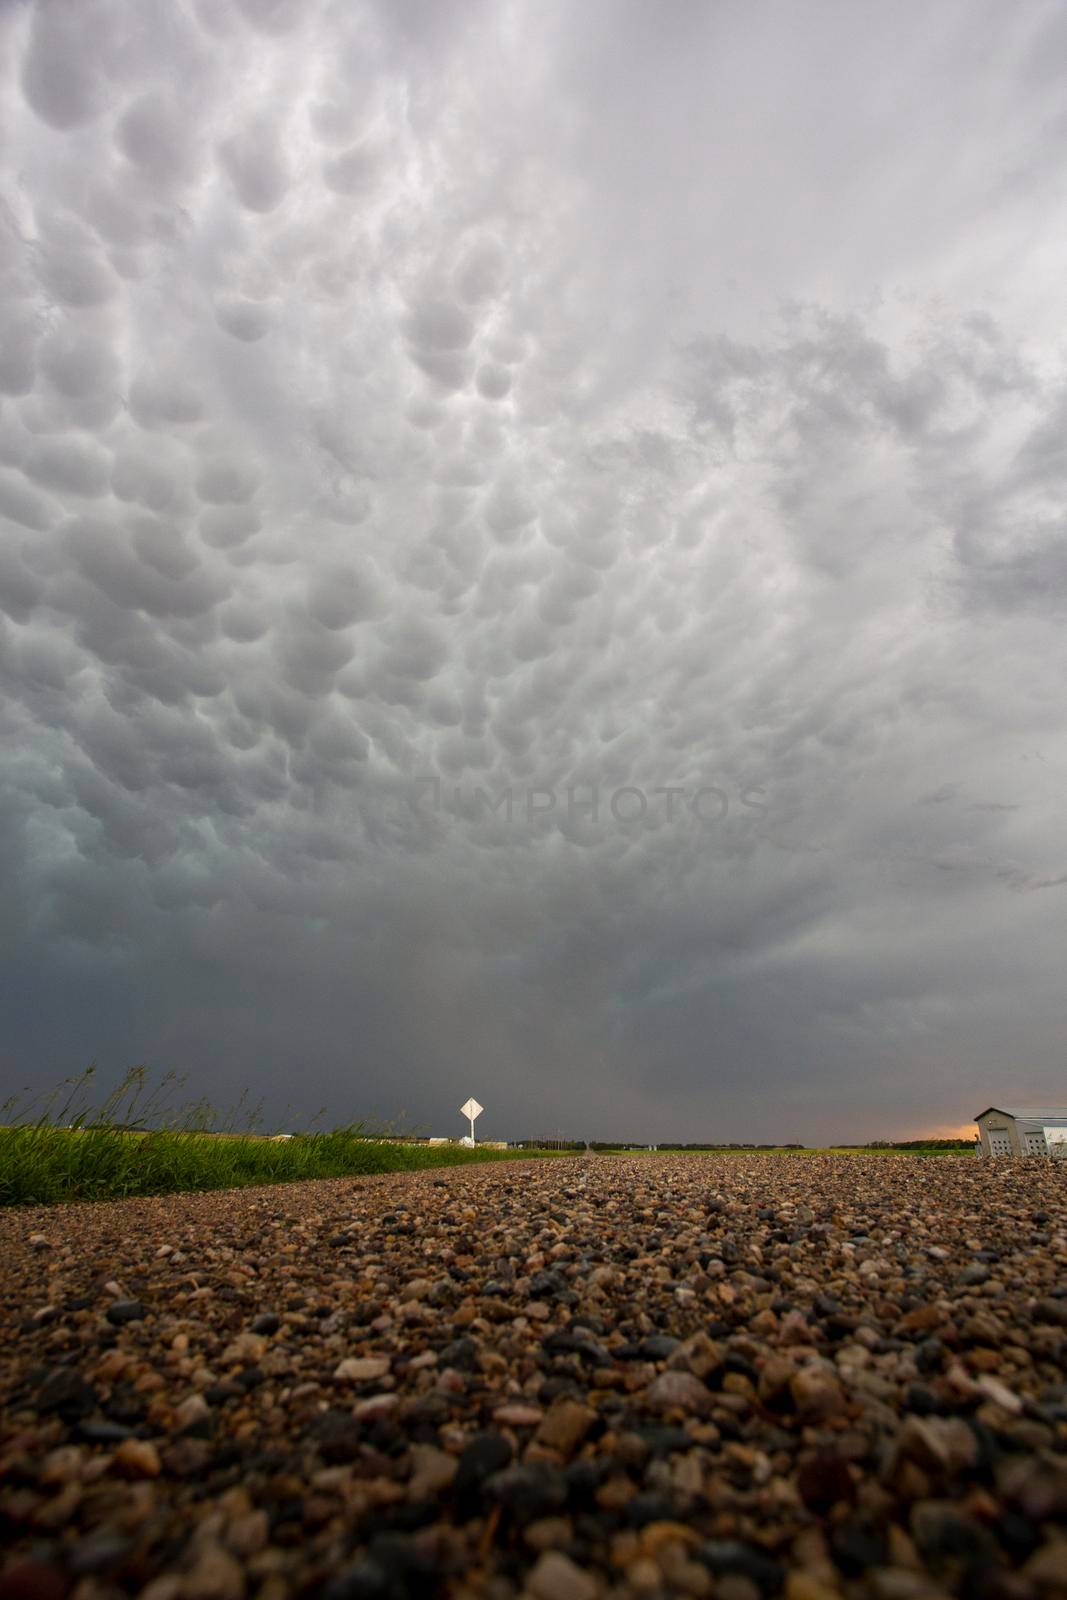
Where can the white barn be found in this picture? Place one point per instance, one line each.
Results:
(1022, 1131)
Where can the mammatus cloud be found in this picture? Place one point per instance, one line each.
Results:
(512, 400)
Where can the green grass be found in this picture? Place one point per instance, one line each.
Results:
(42, 1166)
(136, 1143)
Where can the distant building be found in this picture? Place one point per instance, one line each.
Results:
(1022, 1132)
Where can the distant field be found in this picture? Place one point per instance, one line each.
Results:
(788, 1150)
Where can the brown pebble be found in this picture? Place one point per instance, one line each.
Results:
(517, 1416)
(215, 1575)
(801, 1585)
(565, 1425)
(248, 1533)
(555, 1577)
(547, 1533)
(362, 1369)
(678, 1391)
(432, 1471)
(191, 1411)
(137, 1458)
(816, 1392)
(735, 1586)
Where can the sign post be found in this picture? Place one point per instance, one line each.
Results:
(471, 1110)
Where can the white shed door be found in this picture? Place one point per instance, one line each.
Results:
(1034, 1144)
(999, 1143)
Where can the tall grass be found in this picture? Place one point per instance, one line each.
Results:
(139, 1141)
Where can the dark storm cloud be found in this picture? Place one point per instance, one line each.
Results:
(417, 417)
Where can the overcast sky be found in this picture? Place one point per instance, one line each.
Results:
(416, 410)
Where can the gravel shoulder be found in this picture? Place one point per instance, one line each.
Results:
(736, 1377)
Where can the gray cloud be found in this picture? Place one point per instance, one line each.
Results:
(615, 399)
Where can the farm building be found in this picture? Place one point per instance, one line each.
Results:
(1022, 1132)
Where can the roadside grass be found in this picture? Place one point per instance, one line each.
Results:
(138, 1143)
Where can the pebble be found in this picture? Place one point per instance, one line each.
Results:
(678, 1391)
(699, 1355)
(555, 1577)
(486, 1454)
(215, 1575)
(248, 1533)
(816, 1392)
(122, 1311)
(529, 1490)
(517, 1416)
(1047, 1567)
(802, 1585)
(137, 1458)
(375, 1407)
(433, 1471)
(1000, 1394)
(547, 1533)
(565, 1426)
(191, 1412)
(362, 1369)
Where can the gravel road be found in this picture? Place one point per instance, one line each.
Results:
(698, 1376)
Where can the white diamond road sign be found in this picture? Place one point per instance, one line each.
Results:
(471, 1110)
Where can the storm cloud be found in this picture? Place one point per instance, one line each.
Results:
(532, 558)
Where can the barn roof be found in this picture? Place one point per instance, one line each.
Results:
(1026, 1113)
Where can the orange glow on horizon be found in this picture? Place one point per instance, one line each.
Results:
(966, 1130)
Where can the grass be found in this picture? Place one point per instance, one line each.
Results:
(138, 1143)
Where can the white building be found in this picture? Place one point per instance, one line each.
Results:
(1022, 1131)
